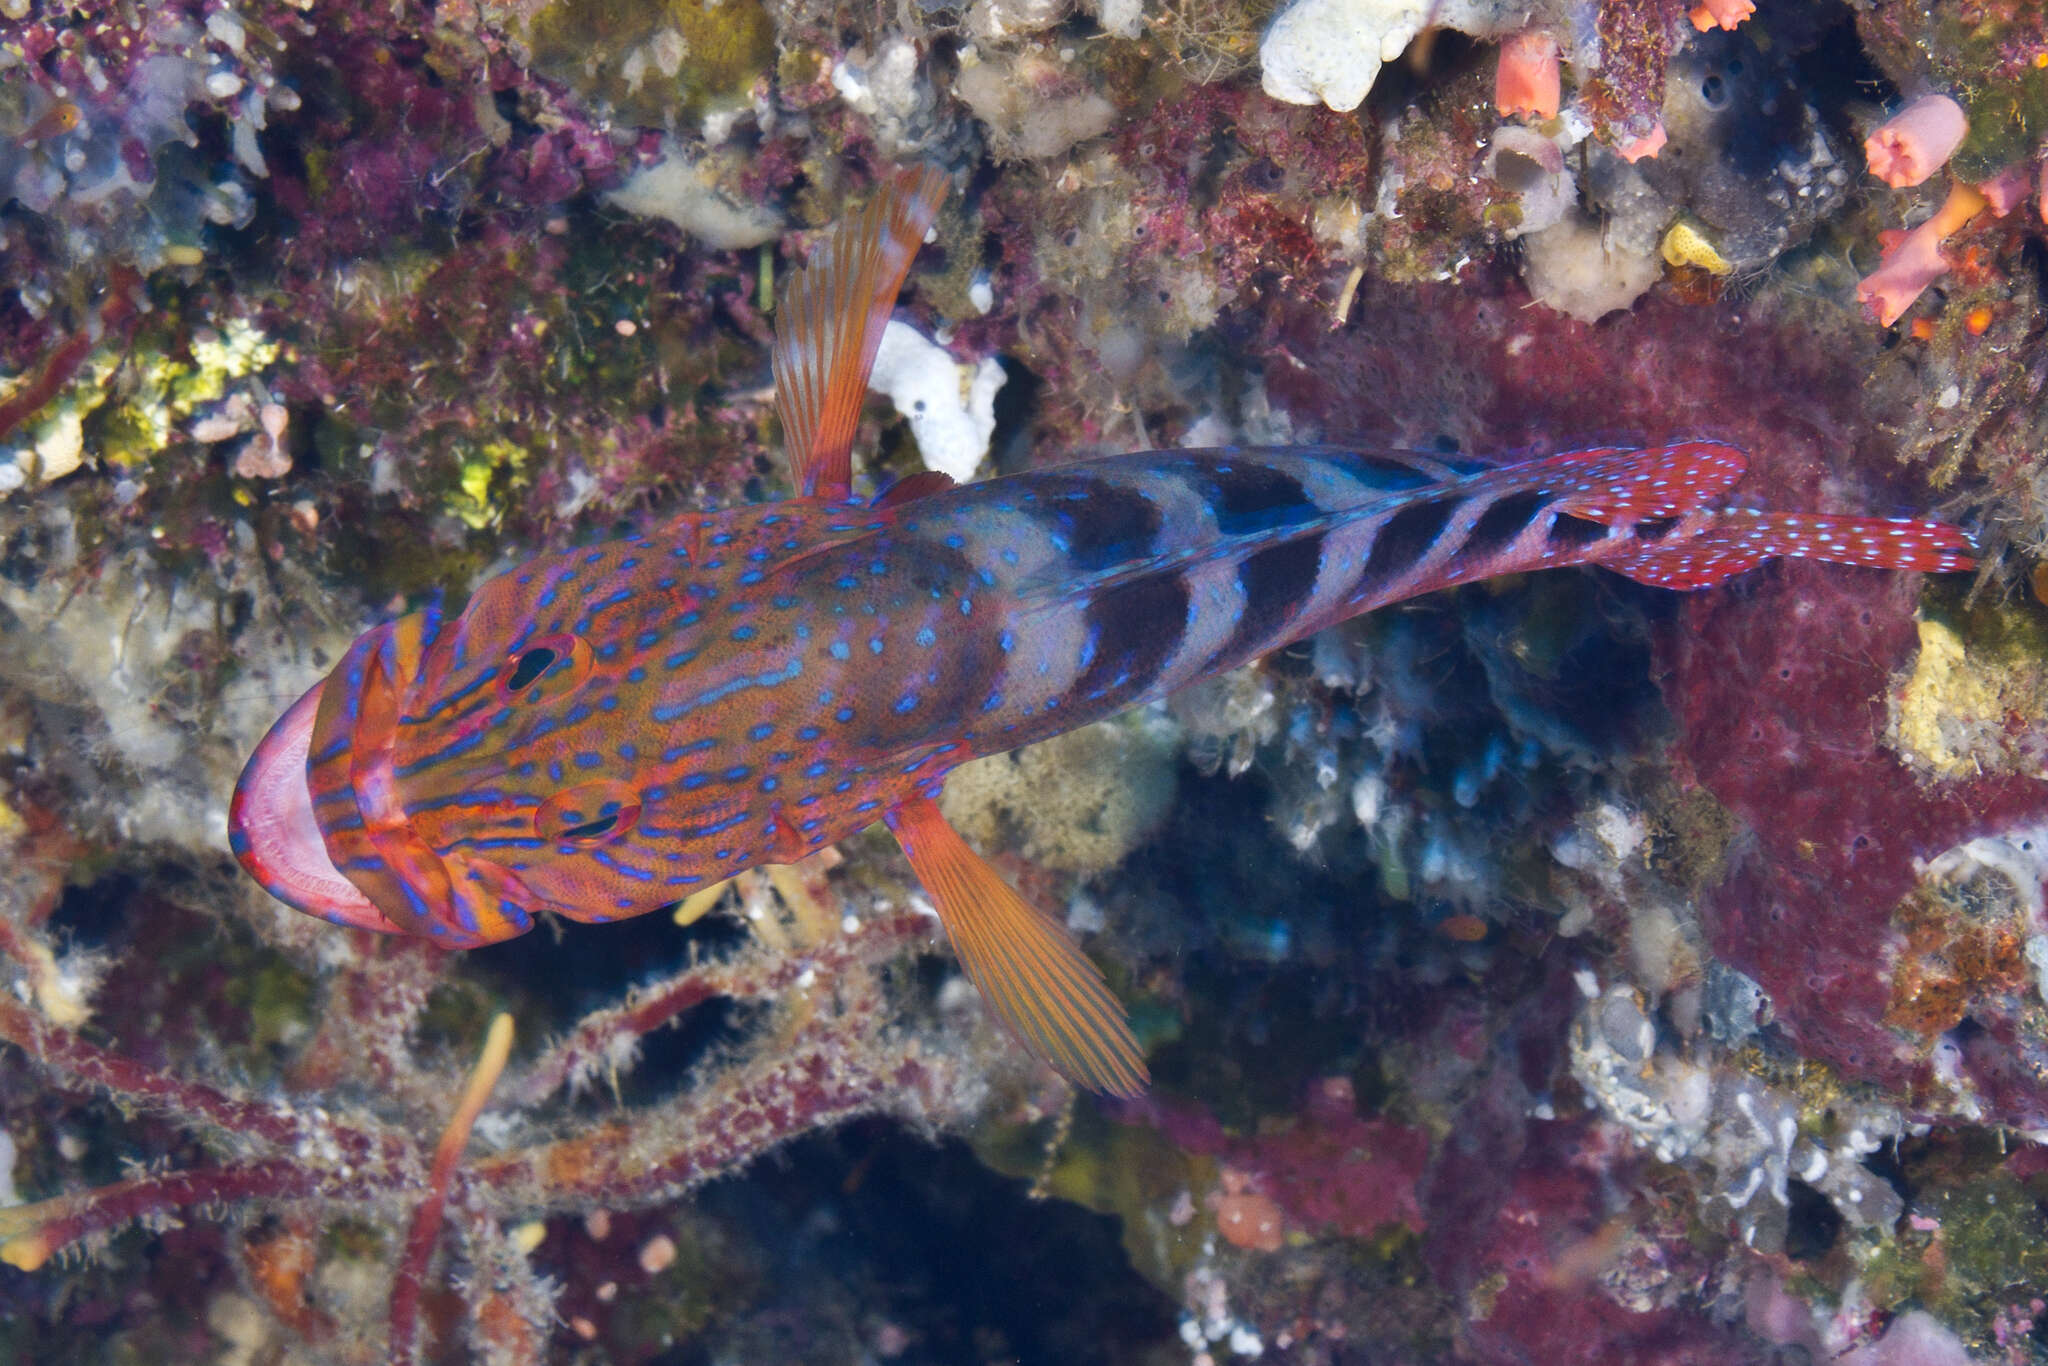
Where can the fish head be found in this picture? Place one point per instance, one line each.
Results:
(319, 815)
(449, 779)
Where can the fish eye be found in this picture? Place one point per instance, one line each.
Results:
(544, 668)
(588, 814)
(529, 666)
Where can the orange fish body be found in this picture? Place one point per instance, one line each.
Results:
(60, 118)
(603, 731)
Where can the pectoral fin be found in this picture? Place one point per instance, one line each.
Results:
(830, 324)
(1030, 972)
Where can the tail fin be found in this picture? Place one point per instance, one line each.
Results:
(1738, 539)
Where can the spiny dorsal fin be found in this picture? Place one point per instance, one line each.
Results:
(830, 324)
(1030, 972)
(912, 487)
(1611, 485)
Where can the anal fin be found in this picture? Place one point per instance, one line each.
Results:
(1028, 968)
(1738, 539)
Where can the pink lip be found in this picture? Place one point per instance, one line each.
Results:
(272, 830)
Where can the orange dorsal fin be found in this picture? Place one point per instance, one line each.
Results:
(830, 324)
(1029, 970)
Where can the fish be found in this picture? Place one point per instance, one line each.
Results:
(60, 118)
(604, 730)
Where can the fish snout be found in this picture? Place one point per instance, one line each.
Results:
(323, 794)
(275, 835)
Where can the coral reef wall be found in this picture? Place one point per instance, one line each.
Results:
(1550, 970)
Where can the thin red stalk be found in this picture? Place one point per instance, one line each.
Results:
(425, 1229)
(57, 370)
(49, 1227)
(818, 1078)
(743, 978)
(63, 1051)
(118, 311)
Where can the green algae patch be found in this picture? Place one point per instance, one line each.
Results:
(654, 60)
(488, 472)
(1968, 1256)
(1079, 802)
(1132, 1171)
(1690, 834)
(126, 405)
(1975, 698)
(278, 1000)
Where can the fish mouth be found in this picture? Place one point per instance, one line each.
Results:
(322, 794)
(274, 835)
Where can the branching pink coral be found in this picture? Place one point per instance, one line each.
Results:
(1725, 14)
(1914, 143)
(826, 1058)
(1527, 82)
(1913, 260)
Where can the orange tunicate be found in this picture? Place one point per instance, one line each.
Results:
(1923, 329)
(1648, 145)
(1253, 1221)
(1914, 260)
(1464, 928)
(1527, 81)
(1723, 14)
(1978, 321)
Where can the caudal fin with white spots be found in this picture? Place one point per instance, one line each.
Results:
(1738, 539)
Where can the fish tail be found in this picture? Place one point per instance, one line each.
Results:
(1732, 540)
(1663, 500)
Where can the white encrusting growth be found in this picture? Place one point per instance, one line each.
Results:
(681, 189)
(1332, 50)
(951, 407)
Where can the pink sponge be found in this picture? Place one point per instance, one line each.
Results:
(1915, 1338)
(1912, 144)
